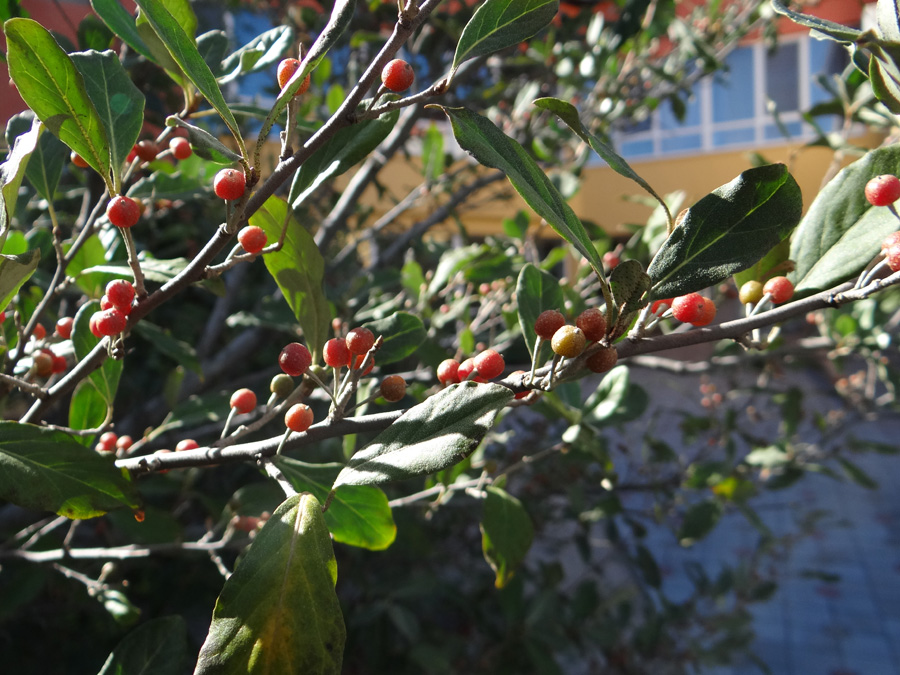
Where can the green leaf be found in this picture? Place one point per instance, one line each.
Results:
(498, 24)
(699, 521)
(118, 102)
(616, 400)
(342, 152)
(432, 436)
(403, 334)
(629, 284)
(491, 147)
(773, 263)
(727, 231)
(831, 29)
(358, 515)
(341, 15)
(506, 534)
(46, 164)
(433, 160)
(183, 50)
(258, 54)
(88, 408)
(536, 292)
(647, 565)
(157, 647)
(93, 34)
(53, 88)
(178, 350)
(204, 143)
(48, 470)
(857, 475)
(298, 269)
(212, 46)
(121, 22)
(569, 114)
(12, 171)
(841, 232)
(278, 613)
(15, 270)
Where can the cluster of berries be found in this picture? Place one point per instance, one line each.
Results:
(486, 366)
(110, 442)
(568, 341)
(115, 306)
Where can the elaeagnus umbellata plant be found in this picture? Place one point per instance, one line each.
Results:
(416, 385)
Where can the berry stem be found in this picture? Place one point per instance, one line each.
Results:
(872, 269)
(315, 378)
(534, 358)
(760, 305)
(287, 434)
(228, 419)
(134, 263)
(274, 472)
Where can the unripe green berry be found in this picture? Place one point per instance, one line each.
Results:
(568, 341)
(282, 385)
(751, 292)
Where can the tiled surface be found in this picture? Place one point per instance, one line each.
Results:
(812, 626)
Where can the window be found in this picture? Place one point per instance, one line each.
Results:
(754, 102)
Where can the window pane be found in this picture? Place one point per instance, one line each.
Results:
(733, 136)
(733, 92)
(794, 129)
(668, 119)
(825, 58)
(636, 148)
(782, 76)
(680, 143)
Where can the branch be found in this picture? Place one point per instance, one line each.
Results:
(260, 449)
(120, 552)
(439, 215)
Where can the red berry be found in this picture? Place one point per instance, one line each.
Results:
(360, 340)
(43, 363)
(602, 360)
(64, 327)
(358, 361)
(465, 369)
(78, 160)
(186, 444)
(592, 323)
(547, 323)
(448, 371)
(611, 260)
(39, 332)
(95, 330)
(111, 322)
(2, 317)
(707, 313)
(883, 190)
(660, 306)
(243, 401)
(104, 447)
(489, 364)
(105, 302)
(568, 341)
(59, 363)
(286, 70)
(336, 353)
(393, 388)
(109, 438)
(687, 308)
(124, 442)
(120, 294)
(893, 239)
(295, 359)
(780, 288)
(299, 418)
(181, 148)
(398, 75)
(132, 155)
(253, 239)
(892, 256)
(229, 184)
(146, 150)
(123, 211)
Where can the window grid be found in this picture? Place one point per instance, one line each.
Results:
(714, 136)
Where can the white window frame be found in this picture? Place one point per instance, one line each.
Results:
(707, 128)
